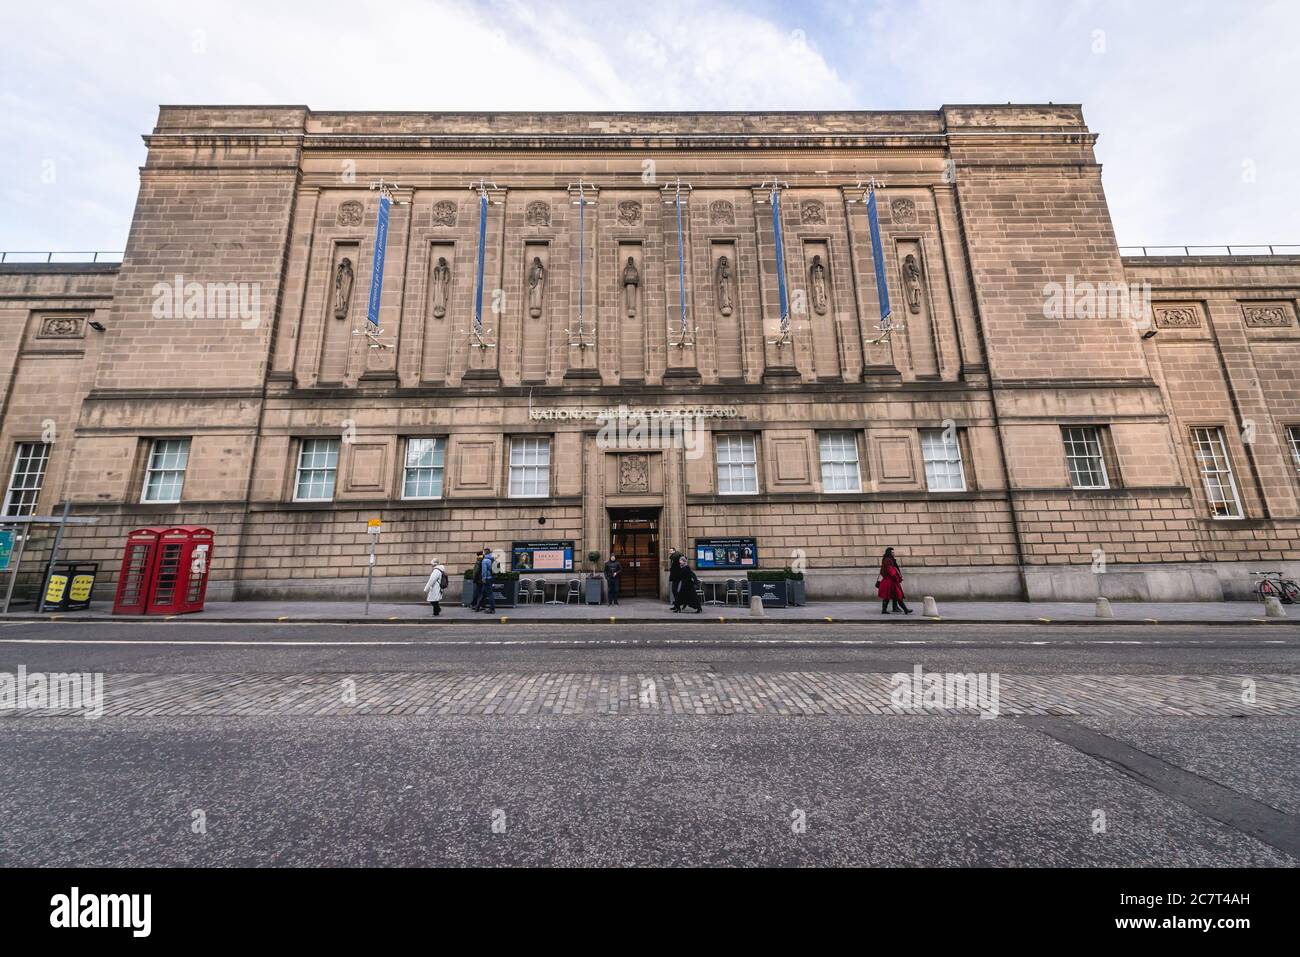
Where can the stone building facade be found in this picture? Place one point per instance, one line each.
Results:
(1045, 418)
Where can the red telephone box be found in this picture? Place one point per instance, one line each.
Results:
(164, 571)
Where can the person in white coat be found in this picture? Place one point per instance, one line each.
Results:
(434, 586)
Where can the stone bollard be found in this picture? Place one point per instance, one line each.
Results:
(756, 609)
(1273, 608)
(1103, 608)
(929, 607)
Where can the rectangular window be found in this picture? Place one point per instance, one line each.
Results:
(318, 465)
(26, 478)
(165, 473)
(424, 468)
(530, 467)
(1293, 437)
(737, 465)
(1216, 472)
(1083, 456)
(941, 451)
(839, 454)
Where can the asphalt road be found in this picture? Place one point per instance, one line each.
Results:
(602, 789)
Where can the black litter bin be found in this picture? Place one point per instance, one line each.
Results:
(69, 586)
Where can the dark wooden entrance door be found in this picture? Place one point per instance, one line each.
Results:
(634, 539)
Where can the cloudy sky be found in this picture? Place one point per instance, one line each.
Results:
(1194, 101)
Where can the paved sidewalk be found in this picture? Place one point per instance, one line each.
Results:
(648, 610)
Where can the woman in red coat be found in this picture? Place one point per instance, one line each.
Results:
(890, 586)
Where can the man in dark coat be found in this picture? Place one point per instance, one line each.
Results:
(477, 597)
(613, 570)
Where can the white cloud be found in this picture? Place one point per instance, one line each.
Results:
(1182, 95)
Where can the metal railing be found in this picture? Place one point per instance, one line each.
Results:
(1259, 249)
(73, 256)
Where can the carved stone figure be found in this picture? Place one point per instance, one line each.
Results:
(1267, 316)
(722, 277)
(343, 278)
(817, 286)
(61, 327)
(811, 211)
(912, 282)
(441, 286)
(633, 473)
(538, 213)
(444, 213)
(722, 213)
(536, 286)
(629, 212)
(350, 213)
(631, 280)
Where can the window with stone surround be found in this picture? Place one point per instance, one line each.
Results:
(164, 474)
(1293, 439)
(530, 467)
(30, 459)
(318, 466)
(839, 460)
(1211, 453)
(737, 464)
(1084, 456)
(424, 467)
(941, 452)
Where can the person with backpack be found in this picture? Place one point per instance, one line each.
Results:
(433, 587)
(489, 595)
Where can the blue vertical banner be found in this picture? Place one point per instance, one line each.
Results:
(681, 261)
(482, 253)
(878, 257)
(780, 257)
(377, 267)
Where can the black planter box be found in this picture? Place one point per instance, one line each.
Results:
(774, 594)
(797, 590)
(507, 593)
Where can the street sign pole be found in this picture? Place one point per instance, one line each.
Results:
(373, 527)
(54, 557)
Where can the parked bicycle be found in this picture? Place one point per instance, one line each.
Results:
(1273, 585)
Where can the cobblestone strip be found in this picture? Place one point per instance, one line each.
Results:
(697, 693)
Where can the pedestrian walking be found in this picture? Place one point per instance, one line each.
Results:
(675, 579)
(433, 587)
(613, 571)
(476, 597)
(890, 585)
(489, 595)
(688, 593)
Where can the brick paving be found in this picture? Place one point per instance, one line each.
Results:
(704, 694)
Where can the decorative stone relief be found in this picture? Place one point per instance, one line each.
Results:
(444, 213)
(1267, 315)
(817, 286)
(904, 211)
(722, 281)
(1177, 317)
(812, 211)
(912, 284)
(441, 285)
(722, 213)
(633, 473)
(343, 279)
(536, 286)
(538, 213)
(631, 282)
(62, 327)
(350, 213)
(629, 213)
